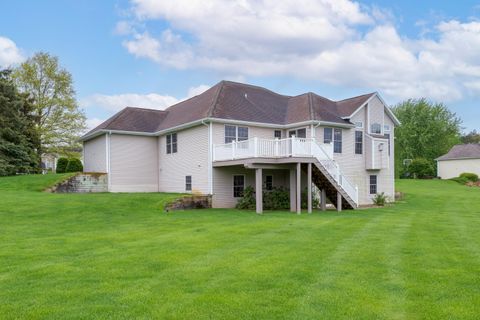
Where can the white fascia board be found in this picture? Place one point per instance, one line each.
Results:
(389, 112)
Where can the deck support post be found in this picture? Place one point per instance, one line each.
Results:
(339, 201)
(259, 190)
(324, 200)
(293, 205)
(309, 186)
(299, 188)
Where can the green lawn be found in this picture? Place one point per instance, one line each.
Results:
(103, 256)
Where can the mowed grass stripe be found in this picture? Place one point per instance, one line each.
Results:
(118, 256)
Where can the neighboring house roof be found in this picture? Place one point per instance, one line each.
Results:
(229, 100)
(462, 151)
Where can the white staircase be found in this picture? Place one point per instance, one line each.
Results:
(292, 147)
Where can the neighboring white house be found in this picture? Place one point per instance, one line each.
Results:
(49, 162)
(236, 135)
(461, 158)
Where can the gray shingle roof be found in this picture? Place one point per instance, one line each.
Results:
(236, 101)
(462, 151)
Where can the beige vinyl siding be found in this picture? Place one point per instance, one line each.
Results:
(133, 163)
(191, 159)
(94, 152)
(376, 112)
(353, 165)
(448, 169)
(223, 183)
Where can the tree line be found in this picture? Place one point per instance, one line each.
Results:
(38, 114)
(427, 131)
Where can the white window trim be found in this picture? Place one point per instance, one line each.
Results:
(236, 131)
(191, 183)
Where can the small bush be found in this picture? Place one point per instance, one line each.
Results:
(74, 165)
(62, 165)
(380, 199)
(469, 176)
(247, 202)
(276, 199)
(421, 168)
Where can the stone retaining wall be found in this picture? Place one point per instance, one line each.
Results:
(189, 202)
(83, 183)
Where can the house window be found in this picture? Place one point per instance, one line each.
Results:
(327, 135)
(387, 136)
(172, 143)
(358, 142)
(277, 134)
(238, 185)
(376, 128)
(373, 184)
(386, 128)
(337, 140)
(299, 133)
(268, 182)
(235, 133)
(188, 183)
(359, 124)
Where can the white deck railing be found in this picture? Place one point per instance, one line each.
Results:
(282, 148)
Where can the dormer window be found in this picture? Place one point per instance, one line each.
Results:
(376, 128)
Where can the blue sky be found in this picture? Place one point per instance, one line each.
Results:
(154, 53)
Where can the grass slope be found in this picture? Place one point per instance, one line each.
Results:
(118, 256)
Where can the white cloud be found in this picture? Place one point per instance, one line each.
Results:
(335, 41)
(9, 53)
(117, 102)
(92, 123)
(120, 101)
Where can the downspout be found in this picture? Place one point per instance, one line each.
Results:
(108, 164)
(210, 156)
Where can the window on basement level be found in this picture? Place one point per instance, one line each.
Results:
(327, 135)
(188, 183)
(268, 182)
(376, 128)
(277, 134)
(172, 143)
(373, 184)
(337, 140)
(238, 185)
(358, 142)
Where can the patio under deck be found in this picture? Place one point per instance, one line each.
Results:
(294, 165)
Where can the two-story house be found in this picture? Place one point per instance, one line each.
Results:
(237, 135)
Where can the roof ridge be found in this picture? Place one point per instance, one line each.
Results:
(362, 95)
(215, 99)
(310, 105)
(255, 87)
(143, 108)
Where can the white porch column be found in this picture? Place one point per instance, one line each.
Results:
(259, 190)
(299, 188)
(293, 205)
(324, 200)
(309, 187)
(339, 201)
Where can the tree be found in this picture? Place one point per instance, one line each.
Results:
(59, 121)
(428, 130)
(18, 141)
(471, 137)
